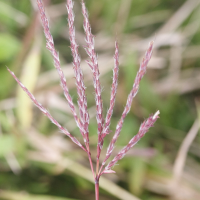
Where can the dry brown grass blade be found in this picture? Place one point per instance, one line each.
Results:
(16, 15)
(10, 156)
(124, 10)
(179, 16)
(184, 86)
(163, 185)
(29, 75)
(182, 153)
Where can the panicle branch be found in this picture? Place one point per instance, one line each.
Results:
(140, 74)
(93, 64)
(113, 92)
(143, 129)
(45, 112)
(82, 101)
(51, 48)
(112, 98)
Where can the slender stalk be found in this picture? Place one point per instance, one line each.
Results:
(97, 167)
(97, 188)
(100, 171)
(91, 164)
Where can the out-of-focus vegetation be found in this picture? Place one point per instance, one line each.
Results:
(38, 162)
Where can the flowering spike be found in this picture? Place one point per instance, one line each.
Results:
(94, 66)
(140, 74)
(83, 122)
(82, 101)
(39, 105)
(113, 92)
(143, 129)
(51, 48)
(95, 70)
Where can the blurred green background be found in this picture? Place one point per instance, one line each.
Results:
(37, 162)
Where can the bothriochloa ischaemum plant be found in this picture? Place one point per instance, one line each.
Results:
(82, 120)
